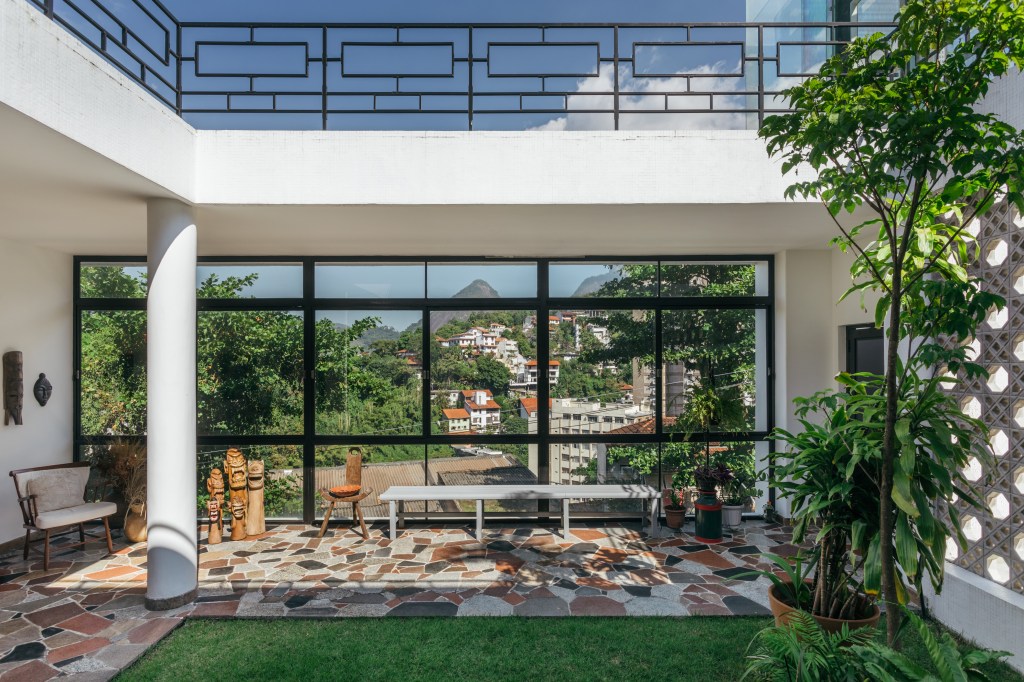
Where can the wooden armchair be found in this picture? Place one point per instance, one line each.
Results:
(53, 498)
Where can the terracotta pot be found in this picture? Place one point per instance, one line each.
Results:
(135, 523)
(781, 610)
(732, 515)
(675, 517)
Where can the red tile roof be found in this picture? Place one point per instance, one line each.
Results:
(530, 404)
(645, 426)
(551, 363)
(456, 414)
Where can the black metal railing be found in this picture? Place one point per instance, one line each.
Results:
(456, 76)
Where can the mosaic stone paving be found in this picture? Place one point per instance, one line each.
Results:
(85, 616)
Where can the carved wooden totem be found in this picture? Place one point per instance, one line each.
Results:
(255, 521)
(14, 388)
(215, 486)
(235, 471)
(216, 523)
(237, 519)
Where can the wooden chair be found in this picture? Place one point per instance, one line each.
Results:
(53, 498)
(353, 476)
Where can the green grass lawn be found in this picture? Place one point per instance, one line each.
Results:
(409, 649)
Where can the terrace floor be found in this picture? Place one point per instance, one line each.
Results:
(85, 616)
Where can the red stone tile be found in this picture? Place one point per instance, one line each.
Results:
(215, 609)
(709, 558)
(111, 573)
(151, 631)
(598, 583)
(97, 598)
(54, 614)
(86, 646)
(86, 623)
(33, 671)
(514, 598)
(589, 535)
(596, 606)
(720, 589)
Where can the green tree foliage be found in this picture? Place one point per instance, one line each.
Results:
(891, 130)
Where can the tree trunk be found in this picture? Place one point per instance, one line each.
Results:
(886, 513)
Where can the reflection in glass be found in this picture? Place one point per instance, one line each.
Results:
(369, 372)
(112, 280)
(282, 478)
(113, 371)
(370, 280)
(383, 467)
(604, 280)
(481, 280)
(250, 372)
(482, 365)
(250, 280)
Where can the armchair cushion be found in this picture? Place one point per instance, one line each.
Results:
(58, 488)
(70, 516)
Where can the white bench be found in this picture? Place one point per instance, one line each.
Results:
(396, 496)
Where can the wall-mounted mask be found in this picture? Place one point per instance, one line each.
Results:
(42, 390)
(14, 388)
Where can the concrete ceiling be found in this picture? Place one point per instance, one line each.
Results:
(58, 194)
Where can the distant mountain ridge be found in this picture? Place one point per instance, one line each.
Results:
(478, 288)
(591, 285)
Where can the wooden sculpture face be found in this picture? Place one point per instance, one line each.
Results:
(213, 508)
(14, 388)
(238, 510)
(256, 473)
(216, 480)
(237, 479)
(235, 458)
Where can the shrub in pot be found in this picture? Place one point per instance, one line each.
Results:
(736, 495)
(675, 510)
(123, 463)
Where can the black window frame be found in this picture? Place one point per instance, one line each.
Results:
(542, 305)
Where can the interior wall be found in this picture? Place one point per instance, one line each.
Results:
(36, 319)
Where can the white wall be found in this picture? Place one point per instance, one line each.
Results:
(36, 319)
(981, 610)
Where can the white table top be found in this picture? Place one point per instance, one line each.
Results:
(517, 492)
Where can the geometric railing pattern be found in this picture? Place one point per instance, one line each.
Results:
(996, 535)
(456, 76)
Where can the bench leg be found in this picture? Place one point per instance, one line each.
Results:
(401, 513)
(480, 520)
(28, 537)
(654, 516)
(565, 519)
(394, 520)
(46, 550)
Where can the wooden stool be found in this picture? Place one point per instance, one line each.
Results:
(353, 476)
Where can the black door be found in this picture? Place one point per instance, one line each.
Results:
(865, 349)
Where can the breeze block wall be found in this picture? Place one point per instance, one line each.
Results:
(996, 535)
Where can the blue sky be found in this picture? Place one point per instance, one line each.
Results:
(459, 10)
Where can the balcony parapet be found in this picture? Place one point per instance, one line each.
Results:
(480, 76)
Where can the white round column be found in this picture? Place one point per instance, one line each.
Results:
(171, 454)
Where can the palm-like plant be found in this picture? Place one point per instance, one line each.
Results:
(803, 651)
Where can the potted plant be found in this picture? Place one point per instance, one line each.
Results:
(736, 495)
(821, 473)
(675, 510)
(123, 463)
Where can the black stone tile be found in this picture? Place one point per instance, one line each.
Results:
(311, 565)
(25, 652)
(637, 590)
(51, 631)
(746, 549)
(693, 548)
(300, 552)
(673, 560)
(223, 570)
(500, 546)
(738, 573)
(424, 609)
(10, 576)
(741, 606)
(297, 601)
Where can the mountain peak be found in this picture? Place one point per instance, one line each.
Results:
(478, 288)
